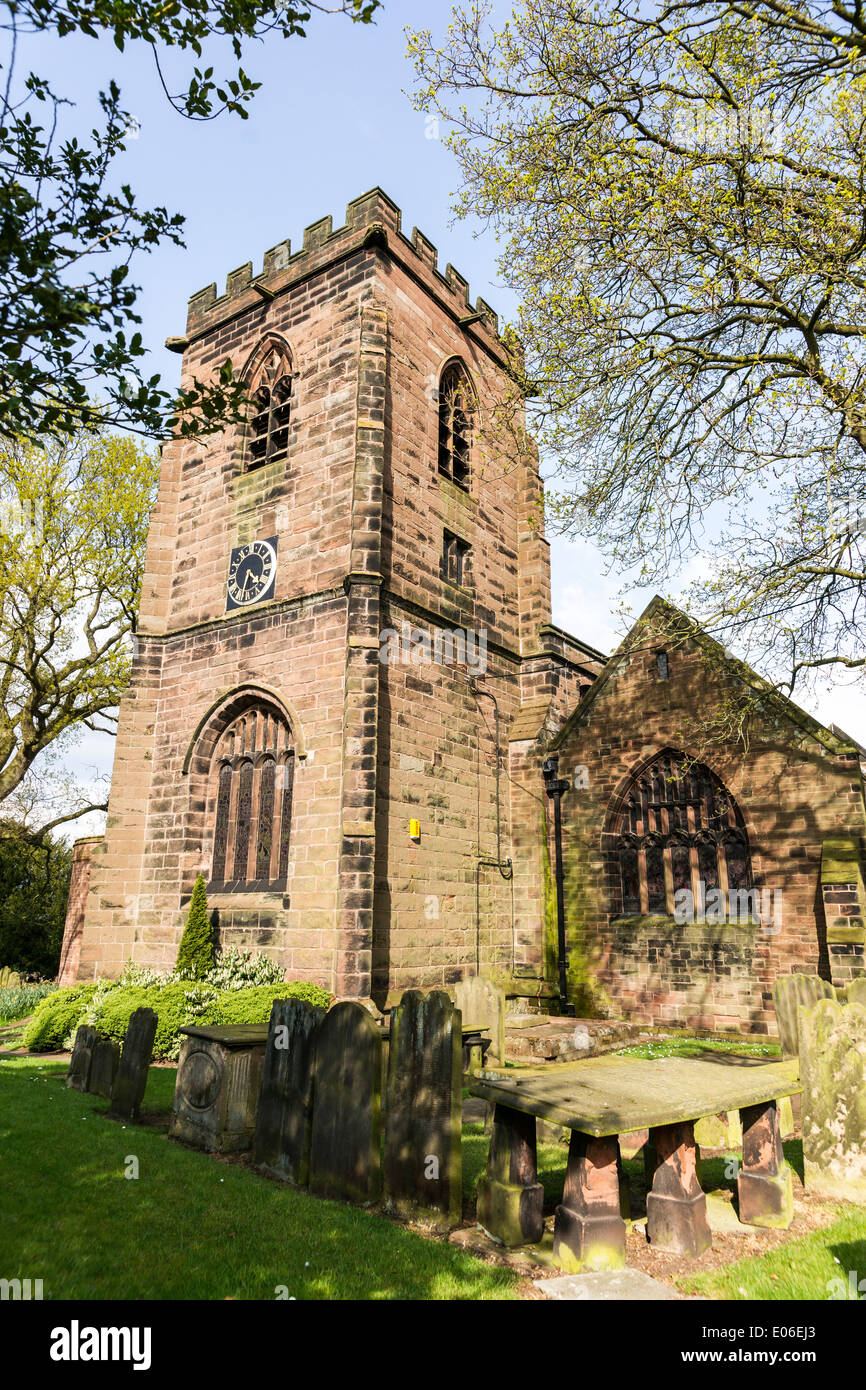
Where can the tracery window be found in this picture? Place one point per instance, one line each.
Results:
(252, 782)
(456, 402)
(679, 828)
(272, 408)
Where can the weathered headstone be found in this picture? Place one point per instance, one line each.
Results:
(130, 1083)
(217, 1088)
(284, 1117)
(857, 991)
(423, 1109)
(9, 979)
(82, 1055)
(103, 1066)
(789, 992)
(345, 1145)
(833, 1076)
(480, 1001)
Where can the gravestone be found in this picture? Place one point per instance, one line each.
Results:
(127, 1093)
(346, 1137)
(789, 992)
(423, 1110)
(480, 1001)
(833, 1076)
(857, 991)
(82, 1056)
(103, 1066)
(217, 1088)
(9, 979)
(283, 1121)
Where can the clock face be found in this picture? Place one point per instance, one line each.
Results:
(252, 573)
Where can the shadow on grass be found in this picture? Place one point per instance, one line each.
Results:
(189, 1226)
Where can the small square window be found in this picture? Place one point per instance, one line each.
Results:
(455, 559)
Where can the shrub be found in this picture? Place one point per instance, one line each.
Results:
(56, 1016)
(195, 953)
(20, 1000)
(234, 969)
(254, 1005)
(109, 1004)
(175, 1004)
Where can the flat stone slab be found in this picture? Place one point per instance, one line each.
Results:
(608, 1286)
(614, 1095)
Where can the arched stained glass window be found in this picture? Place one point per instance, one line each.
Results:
(678, 828)
(252, 782)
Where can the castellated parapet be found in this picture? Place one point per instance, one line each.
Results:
(371, 220)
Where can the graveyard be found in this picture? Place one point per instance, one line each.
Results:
(331, 1155)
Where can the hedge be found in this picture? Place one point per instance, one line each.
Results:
(109, 1006)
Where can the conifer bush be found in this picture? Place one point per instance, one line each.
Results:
(195, 954)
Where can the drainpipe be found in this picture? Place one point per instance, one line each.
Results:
(505, 866)
(555, 786)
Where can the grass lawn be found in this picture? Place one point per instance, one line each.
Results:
(697, 1047)
(190, 1226)
(800, 1269)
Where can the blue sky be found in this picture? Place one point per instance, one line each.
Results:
(330, 121)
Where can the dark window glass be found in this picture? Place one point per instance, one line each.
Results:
(266, 819)
(681, 867)
(288, 771)
(455, 559)
(242, 829)
(655, 879)
(221, 829)
(630, 881)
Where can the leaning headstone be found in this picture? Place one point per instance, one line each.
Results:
(423, 1171)
(480, 1001)
(9, 979)
(283, 1121)
(130, 1082)
(103, 1067)
(346, 1138)
(789, 992)
(833, 1076)
(82, 1056)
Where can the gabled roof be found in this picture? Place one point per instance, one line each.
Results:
(833, 740)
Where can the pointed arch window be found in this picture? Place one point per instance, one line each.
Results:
(679, 828)
(456, 410)
(271, 414)
(252, 781)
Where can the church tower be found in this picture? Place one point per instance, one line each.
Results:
(344, 652)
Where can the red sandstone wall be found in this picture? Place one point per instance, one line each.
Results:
(792, 792)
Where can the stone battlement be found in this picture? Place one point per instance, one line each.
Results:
(371, 220)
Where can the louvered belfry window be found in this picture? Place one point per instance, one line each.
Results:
(678, 828)
(253, 779)
(455, 424)
(271, 411)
